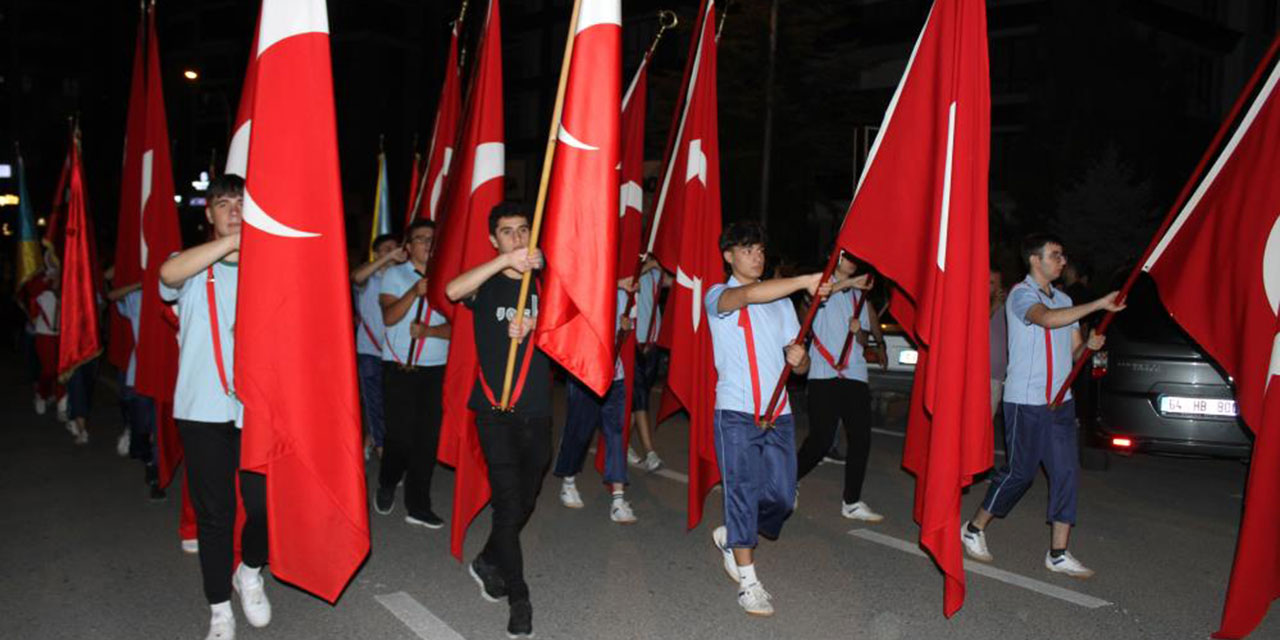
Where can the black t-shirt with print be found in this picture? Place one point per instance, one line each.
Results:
(493, 306)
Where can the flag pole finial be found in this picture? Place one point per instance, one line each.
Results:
(724, 14)
(667, 19)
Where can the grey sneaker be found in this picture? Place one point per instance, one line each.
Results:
(975, 544)
(652, 462)
(1067, 563)
(859, 511)
(621, 513)
(755, 600)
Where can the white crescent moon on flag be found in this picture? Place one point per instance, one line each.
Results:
(282, 19)
(148, 157)
(632, 196)
(255, 217)
(1271, 267)
(696, 163)
(694, 285)
(238, 150)
(596, 12)
(569, 139)
(490, 163)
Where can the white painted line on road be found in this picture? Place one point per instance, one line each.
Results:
(418, 618)
(899, 434)
(1043, 588)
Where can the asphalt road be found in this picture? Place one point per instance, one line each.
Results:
(85, 555)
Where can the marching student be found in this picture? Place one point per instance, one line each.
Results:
(648, 320)
(753, 324)
(41, 296)
(837, 388)
(1044, 340)
(516, 442)
(366, 279)
(588, 412)
(202, 281)
(413, 358)
(139, 410)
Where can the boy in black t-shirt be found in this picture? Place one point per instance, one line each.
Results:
(516, 442)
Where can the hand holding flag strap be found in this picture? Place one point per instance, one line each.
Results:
(800, 337)
(1209, 153)
(211, 296)
(547, 160)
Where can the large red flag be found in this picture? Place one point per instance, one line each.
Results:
(128, 262)
(78, 339)
(576, 316)
(157, 327)
(476, 186)
(919, 215)
(630, 225)
(302, 422)
(1217, 268)
(238, 148)
(687, 219)
(444, 136)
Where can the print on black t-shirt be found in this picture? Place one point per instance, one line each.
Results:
(494, 306)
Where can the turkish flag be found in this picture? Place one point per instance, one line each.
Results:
(476, 186)
(444, 137)
(78, 338)
(157, 326)
(128, 262)
(577, 314)
(238, 148)
(919, 216)
(1217, 269)
(302, 422)
(687, 217)
(412, 200)
(630, 227)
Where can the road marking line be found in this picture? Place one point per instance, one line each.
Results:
(899, 434)
(1043, 588)
(418, 618)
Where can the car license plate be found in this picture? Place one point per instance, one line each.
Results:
(1198, 406)
(908, 357)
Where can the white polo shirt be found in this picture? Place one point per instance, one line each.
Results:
(648, 312)
(773, 326)
(199, 394)
(396, 281)
(830, 326)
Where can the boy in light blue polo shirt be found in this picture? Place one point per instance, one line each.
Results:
(202, 281)
(753, 324)
(370, 333)
(413, 358)
(648, 321)
(1044, 340)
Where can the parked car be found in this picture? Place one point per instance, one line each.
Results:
(1154, 390)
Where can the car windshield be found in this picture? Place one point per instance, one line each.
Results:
(1146, 319)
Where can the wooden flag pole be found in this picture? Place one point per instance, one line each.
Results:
(547, 159)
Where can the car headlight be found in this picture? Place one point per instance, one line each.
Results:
(908, 356)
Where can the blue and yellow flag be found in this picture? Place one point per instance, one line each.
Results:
(29, 259)
(381, 209)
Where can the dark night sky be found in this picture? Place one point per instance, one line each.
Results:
(1100, 107)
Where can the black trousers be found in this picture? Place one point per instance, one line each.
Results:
(411, 398)
(212, 452)
(518, 451)
(831, 401)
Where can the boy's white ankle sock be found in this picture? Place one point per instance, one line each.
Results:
(747, 574)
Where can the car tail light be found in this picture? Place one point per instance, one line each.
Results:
(1099, 368)
(1122, 443)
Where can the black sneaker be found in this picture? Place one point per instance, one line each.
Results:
(157, 494)
(520, 625)
(492, 587)
(384, 500)
(150, 474)
(427, 519)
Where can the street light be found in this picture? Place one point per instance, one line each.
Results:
(191, 74)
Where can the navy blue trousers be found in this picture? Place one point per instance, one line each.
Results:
(586, 413)
(1035, 436)
(758, 472)
(369, 368)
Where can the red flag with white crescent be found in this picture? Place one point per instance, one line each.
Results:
(687, 219)
(1217, 269)
(301, 422)
(128, 262)
(427, 201)
(464, 243)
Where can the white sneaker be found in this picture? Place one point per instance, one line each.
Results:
(62, 408)
(859, 511)
(41, 405)
(122, 444)
(1067, 563)
(81, 433)
(975, 544)
(191, 546)
(253, 595)
(621, 513)
(755, 600)
(632, 456)
(652, 462)
(222, 626)
(721, 537)
(569, 496)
